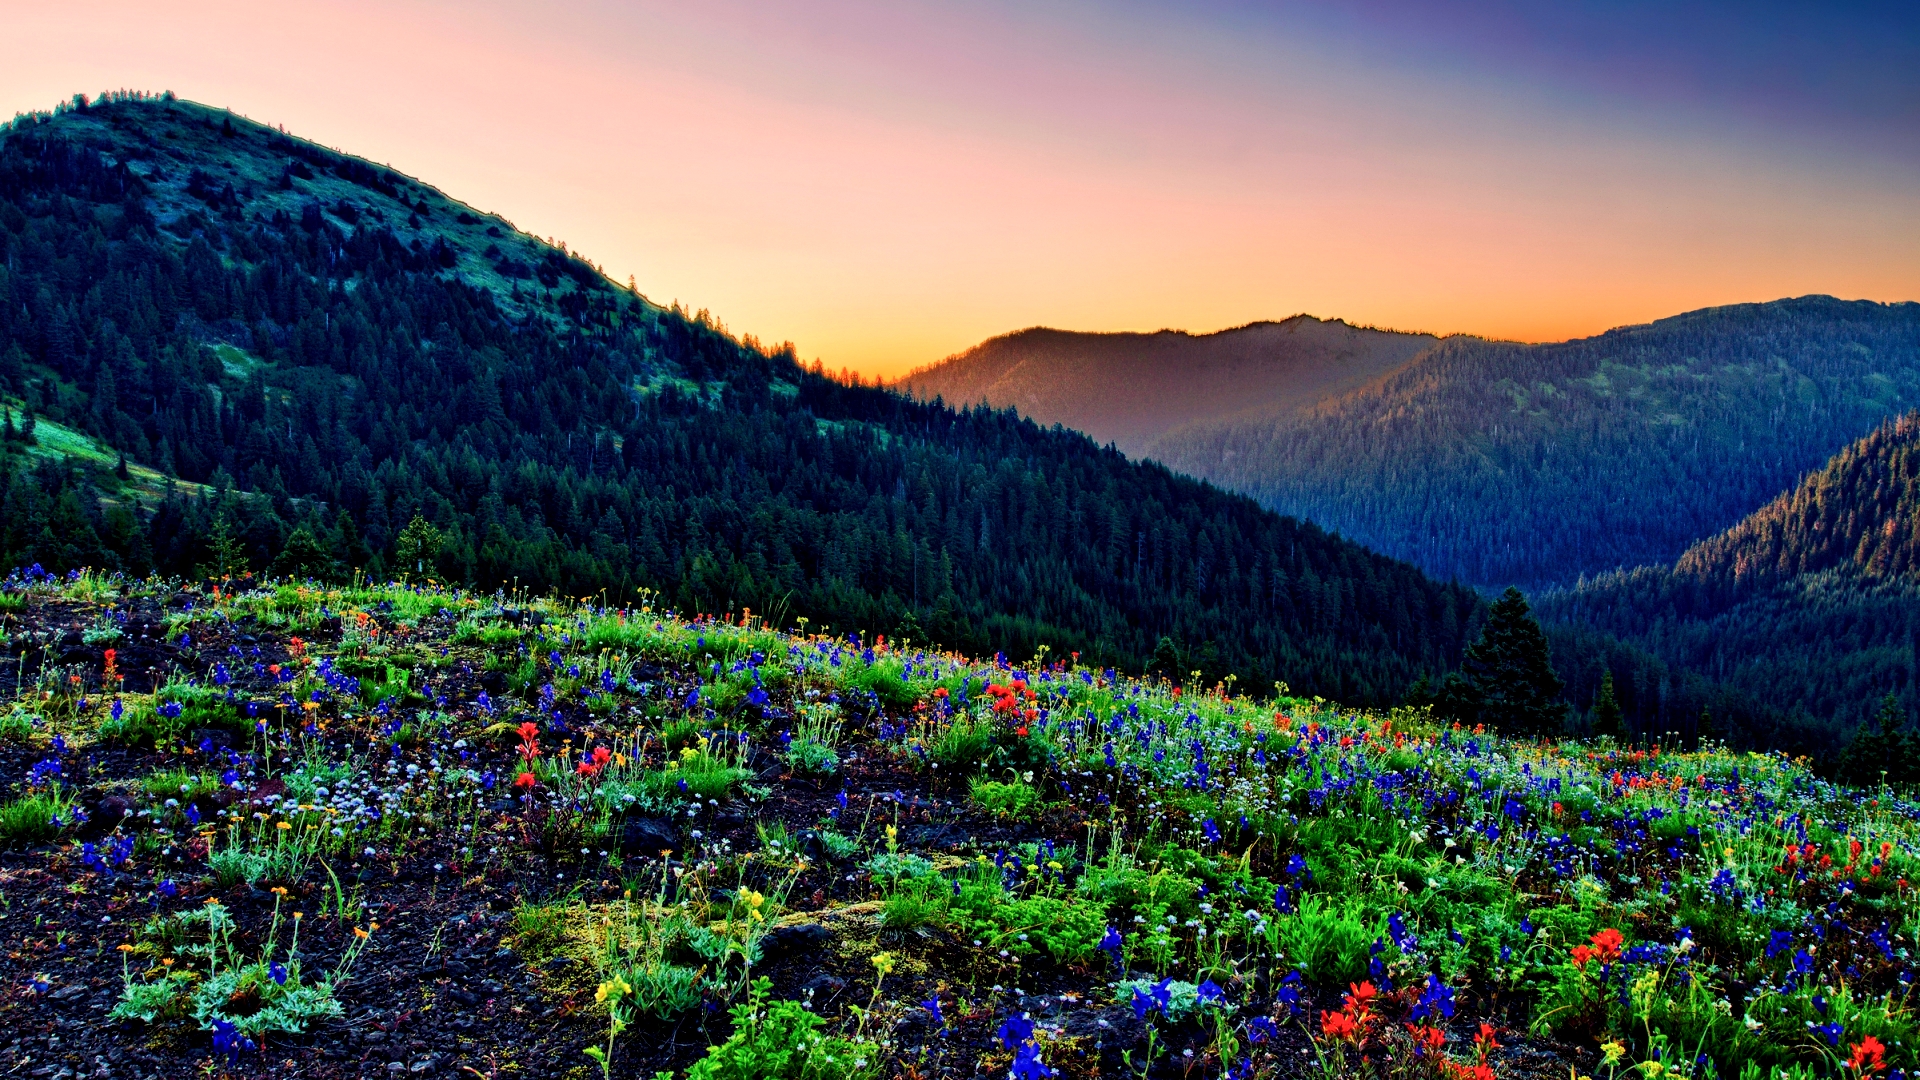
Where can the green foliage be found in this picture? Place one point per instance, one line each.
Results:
(31, 817)
(963, 744)
(17, 724)
(1002, 799)
(780, 1040)
(1329, 936)
(812, 746)
(540, 929)
(258, 994)
(1032, 918)
(915, 902)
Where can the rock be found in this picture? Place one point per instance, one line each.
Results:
(794, 940)
(648, 837)
(220, 738)
(825, 987)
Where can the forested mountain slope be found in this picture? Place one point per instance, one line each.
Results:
(1132, 389)
(1500, 463)
(332, 348)
(1807, 612)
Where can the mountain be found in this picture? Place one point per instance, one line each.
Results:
(1132, 389)
(259, 353)
(1802, 616)
(1499, 463)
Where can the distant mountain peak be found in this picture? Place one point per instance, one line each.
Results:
(1132, 387)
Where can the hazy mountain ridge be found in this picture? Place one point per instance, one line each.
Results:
(1806, 611)
(1499, 463)
(1131, 389)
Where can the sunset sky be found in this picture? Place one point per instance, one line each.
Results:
(885, 183)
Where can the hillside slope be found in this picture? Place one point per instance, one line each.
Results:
(1807, 611)
(1500, 463)
(242, 309)
(1131, 389)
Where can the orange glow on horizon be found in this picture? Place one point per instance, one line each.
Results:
(885, 185)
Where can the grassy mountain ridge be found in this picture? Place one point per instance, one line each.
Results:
(244, 310)
(1132, 389)
(1498, 463)
(1806, 613)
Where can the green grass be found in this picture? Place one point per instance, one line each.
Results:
(29, 819)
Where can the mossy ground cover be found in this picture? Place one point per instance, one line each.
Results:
(276, 829)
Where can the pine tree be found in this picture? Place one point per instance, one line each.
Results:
(1511, 672)
(418, 545)
(1879, 750)
(1706, 731)
(303, 557)
(1609, 720)
(1166, 657)
(1420, 693)
(225, 559)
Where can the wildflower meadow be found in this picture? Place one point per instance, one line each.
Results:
(273, 828)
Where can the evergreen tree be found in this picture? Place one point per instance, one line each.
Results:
(418, 545)
(1459, 699)
(1609, 720)
(1421, 693)
(1511, 673)
(1166, 658)
(1880, 750)
(225, 559)
(303, 557)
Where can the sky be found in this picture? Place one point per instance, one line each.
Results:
(887, 182)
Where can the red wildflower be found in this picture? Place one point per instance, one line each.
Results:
(1359, 997)
(1484, 1041)
(1339, 1025)
(1606, 944)
(592, 765)
(1868, 1056)
(524, 780)
(1581, 954)
(1021, 731)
